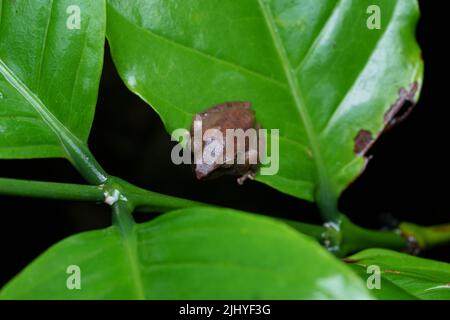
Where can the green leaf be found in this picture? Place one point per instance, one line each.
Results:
(311, 68)
(49, 74)
(404, 276)
(196, 253)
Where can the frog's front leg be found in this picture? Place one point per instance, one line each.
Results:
(251, 162)
(248, 175)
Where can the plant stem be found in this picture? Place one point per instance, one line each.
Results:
(51, 190)
(355, 238)
(349, 238)
(146, 201)
(140, 199)
(327, 202)
(409, 237)
(426, 237)
(82, 159)
(149, 201)
(312, 230)
(122, 217)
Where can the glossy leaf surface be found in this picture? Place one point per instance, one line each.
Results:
(311, 68)
(51, 55)
(404, 276)
(197, 253)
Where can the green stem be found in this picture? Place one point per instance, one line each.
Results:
(354, 238)
(83, 160)
(52, 190)
(327, 202)
(347, 237)
(315, 231)
(409, 237)
(426, 237)
(140, 199)
(149, 201)
(146, 201)
(123, 217)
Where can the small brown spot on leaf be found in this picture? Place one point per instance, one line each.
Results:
(398, 111)
(392, 271)
(402, 107)
(363, 141)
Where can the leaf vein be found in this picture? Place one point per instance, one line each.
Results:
(43, 49)
(205, 54)
(317, 38)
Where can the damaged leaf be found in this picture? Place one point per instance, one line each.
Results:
(398, 112)
(310, 68)
(363, 141)
(401, 109)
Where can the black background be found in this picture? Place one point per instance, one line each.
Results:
(406, 180)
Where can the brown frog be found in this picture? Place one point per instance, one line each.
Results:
(229, 115)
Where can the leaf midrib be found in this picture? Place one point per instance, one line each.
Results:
(39, 107)
(44, 48)
(322, 175)
(130, 248)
